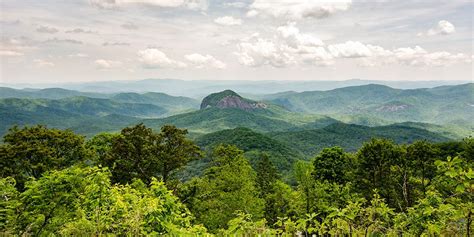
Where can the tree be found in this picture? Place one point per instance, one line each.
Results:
(450, 148)
(9, 203)
(267, 176)
(421, 156)
(101, 144)
(468, 153)
(359, 218)
(229, 185)
(30, 151)
(175, 150)
(331, 164)
(446, 210)
(243, 225)
(132, 155)
(81, 201)
(138, 152)
(302, 172)
(280, 201)
(377, 161)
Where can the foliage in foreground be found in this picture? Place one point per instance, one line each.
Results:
(383, 189)
(82, 201)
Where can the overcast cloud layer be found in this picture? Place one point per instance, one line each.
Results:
(92, 40)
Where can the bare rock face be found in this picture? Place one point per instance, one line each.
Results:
(392, 108)
(230, 99)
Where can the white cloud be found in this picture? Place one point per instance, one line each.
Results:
(80, 30)
(78, 55)
(288, 47)
(418, 56)
(190, 4)
(202, 61)
(412, 56)
(43, 63)
(262, 52)
(107, 64)
(252, 13)
(47, 29)
(12, 47)
(350, 49)
(291, 47)
(298, 9)
(442, 28)
(228, 21)
(295, 38)
(10, 53)
(318, 56)
(154, 58)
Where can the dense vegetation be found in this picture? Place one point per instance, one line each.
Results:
(449, 105)
(253, 143)
(350, 136)
(154, 98)
(443, 110)
(55, 182)
(84, 112)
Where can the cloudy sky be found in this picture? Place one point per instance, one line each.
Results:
(92, 40)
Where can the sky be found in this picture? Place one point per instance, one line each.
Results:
(57, 41)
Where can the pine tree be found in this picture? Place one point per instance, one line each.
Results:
(267, 176)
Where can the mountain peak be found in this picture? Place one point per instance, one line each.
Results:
(230, 99)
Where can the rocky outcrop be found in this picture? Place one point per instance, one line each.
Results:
(392, 108)
(230, 99)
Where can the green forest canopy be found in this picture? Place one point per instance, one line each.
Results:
(55, 182)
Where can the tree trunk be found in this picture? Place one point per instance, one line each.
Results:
(469, 221)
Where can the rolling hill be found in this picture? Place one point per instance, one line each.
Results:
(81, 114)
(351, 136)
(286, 147)
(374, 106)
(441, 105)
(228, 110)
(86, 106)
(172, 104)
(48, 93)
(201, 88)
(252, 143)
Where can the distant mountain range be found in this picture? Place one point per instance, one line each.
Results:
(446, 110)
(172, 103)
(288, 126)
(84, 112)
(453, 105)
(201, 88)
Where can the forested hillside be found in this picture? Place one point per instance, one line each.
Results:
(442, 105)
(253, 143)
(84, 112)
(443, 110)
(351, 137)
(313, 163)
(236, 118)
(55, 182)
